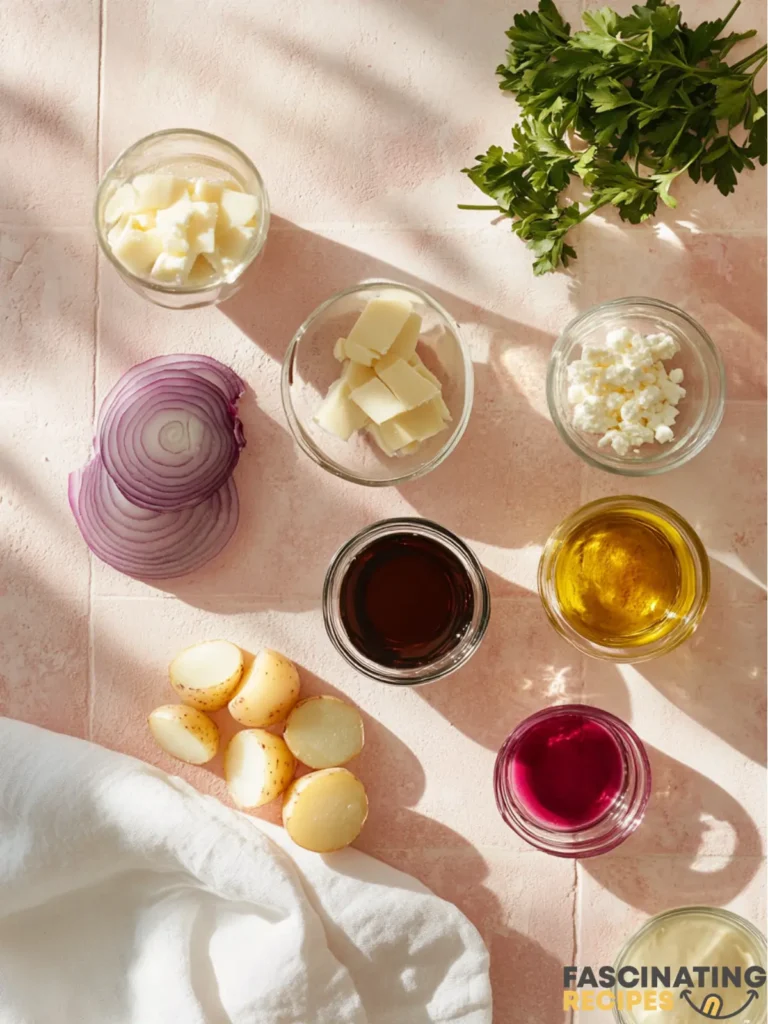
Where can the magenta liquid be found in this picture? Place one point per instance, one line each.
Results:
(567, 771)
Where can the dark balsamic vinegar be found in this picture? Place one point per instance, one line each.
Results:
(406, 600)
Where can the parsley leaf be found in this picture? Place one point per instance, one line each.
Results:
(626, 106)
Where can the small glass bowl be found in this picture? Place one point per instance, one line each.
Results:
(746, 936)
(310, 368)
(445, 664)
(700, 412)
(620, 819)
(189, 154)
(684, 626)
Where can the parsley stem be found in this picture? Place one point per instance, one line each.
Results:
(468, 206)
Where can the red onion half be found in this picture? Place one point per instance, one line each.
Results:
(169, 437)
(142, 543)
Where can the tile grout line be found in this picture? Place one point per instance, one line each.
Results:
(94, 366)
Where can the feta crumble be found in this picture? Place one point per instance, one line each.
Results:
(621, 389)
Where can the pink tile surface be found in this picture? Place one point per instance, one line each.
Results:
(360, 117)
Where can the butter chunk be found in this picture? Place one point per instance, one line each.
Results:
(355, 375)
(158, 191)
(122, 202)
(377, 401)
(338, 414)
(359, 353)
(202, 272)
(138, 250)
(405, 343)
(423, 422)
(427, 374)
(236, 209)
(375, 433)
(338, 350)
(407, 384)
(201, 233)
(379, 324)
(395, 436)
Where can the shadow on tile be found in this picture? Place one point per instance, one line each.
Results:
(521, 666)
(691, 824)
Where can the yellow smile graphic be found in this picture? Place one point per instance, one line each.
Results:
(713, 1004)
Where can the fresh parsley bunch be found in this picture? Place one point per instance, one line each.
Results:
(626, 106)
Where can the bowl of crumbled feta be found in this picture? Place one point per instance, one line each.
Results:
(635, 386)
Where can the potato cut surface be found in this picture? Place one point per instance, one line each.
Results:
(268, 690)
(325, 810)
(258, 767)
(324, 732)
(184, 733)
(207, 674)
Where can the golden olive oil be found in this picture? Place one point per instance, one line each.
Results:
(624, 577)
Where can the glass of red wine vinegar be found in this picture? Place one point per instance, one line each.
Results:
(406, 602)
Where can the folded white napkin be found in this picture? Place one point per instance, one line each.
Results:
(126, 897)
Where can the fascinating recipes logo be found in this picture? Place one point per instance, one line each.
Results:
(662, 988)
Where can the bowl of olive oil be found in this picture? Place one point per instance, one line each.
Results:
(624, 578)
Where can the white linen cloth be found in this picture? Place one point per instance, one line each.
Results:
(126, 897)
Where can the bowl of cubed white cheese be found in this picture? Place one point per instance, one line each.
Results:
(635, 386)
(181, 215)
(377, 384)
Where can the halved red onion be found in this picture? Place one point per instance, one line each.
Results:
(169, 438)
(144, 544)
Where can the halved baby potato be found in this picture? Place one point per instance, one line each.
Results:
(324, 732)
(268, 690)
(258, 766)
(326, 810)
(185, 733)
(206, 675)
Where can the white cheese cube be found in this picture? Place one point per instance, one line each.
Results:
(210, 191)
(172, 269)
(236, 209)
(138, 250)
(358, 353)
(379, 324)
(202, 272)
(158, 191)
(122, 202)
(338, 415)
(201, 233)
(176, 216)
(338, 350)
(423, 422)
(406, 384)
(233, 242)
(355, 375)
(395, 436)
(377, 401)
(405, 343)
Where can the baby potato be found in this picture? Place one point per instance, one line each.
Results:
(324, 732)
(206, 675)
(326, 810)
(184, 733)
(268, 690)
(258, 766)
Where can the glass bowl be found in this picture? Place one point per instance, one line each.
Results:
(447, 661)
(696, 937)
(189, 154)
(695, 579)
(700, 412)
(310, 368)
(598, 835)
